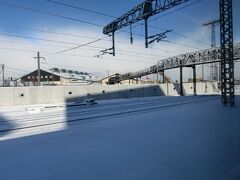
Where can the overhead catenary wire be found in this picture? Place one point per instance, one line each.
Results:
(80, 8)
(177, 9)
(69, 18)
(81, 36)
(70, 43)
(64, 42)
(34, 38)
(49, 13)
(16, 69)
(74, 55)
(33, 51)
(107, 15)
(66, 17)
(42, 30)
(60, 52)
(74, 47)
(181, 35)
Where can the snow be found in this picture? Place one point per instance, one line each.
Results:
(183, 138)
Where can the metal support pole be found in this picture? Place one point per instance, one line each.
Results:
(213, 35)
(227, 55)
(131, 34)
(39, 70)
(181, 79)
(146, 32)
(113, 43)
(163, 75)
(3, 71)
(194, 80)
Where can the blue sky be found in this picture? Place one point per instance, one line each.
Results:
(183, 21)
(187, 21)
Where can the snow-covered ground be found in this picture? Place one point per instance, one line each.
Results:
(182, 138)
(31, 120)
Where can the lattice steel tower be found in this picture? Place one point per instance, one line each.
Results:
(227, 54)
(214, 66)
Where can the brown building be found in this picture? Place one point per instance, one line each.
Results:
(32, 78)
(61, 77)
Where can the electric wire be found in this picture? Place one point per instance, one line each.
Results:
(87, 37)
(80, 8)
(49, 13)
(107, 15)
(82, 56)
(70, 18)
(64, 42)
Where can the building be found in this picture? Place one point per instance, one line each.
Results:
(57, 76)
(107, 80)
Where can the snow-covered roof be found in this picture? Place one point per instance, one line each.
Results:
(67, 75)
(70, 74)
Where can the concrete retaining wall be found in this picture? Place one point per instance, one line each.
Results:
(15, 96)
(202, 88)
(237, 90)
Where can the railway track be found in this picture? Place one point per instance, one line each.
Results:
(97, 114)
(73, 111)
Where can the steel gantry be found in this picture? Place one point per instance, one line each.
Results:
(227, 52)
(142, 12)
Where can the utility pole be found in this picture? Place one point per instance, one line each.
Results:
(213, 68)
(39, 70)
(3, 71)
(52, 77)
